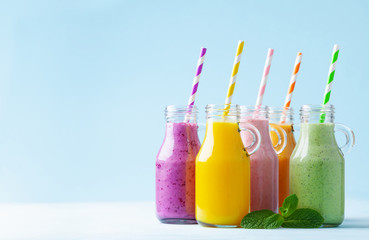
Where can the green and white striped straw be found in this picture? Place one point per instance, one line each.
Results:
(332, 70)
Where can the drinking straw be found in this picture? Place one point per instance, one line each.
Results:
(232, 81)
(291, 87)
(264, 78)
(328, 88)
(195, 84)
(196, 79)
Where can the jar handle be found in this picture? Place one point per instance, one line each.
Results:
(282, 139)
(256, 137)
(350, 137)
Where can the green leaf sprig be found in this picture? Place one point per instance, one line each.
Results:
(290, 217)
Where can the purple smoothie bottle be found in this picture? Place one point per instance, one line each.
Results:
(175, 167)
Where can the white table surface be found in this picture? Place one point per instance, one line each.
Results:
(136, 220)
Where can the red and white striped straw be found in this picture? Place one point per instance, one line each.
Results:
(264, 79)
(291, 87)
(195, 84)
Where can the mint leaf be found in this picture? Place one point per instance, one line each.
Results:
(274, 221)
(289, 205)
(261, 220)
(303, 218)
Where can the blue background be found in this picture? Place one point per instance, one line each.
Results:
(83, 84)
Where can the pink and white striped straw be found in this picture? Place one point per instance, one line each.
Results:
(195, 84)
(264, 79)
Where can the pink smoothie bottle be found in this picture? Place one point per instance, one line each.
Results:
(175, 167)
(264, 162)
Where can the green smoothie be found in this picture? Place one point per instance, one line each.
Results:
(317, 172)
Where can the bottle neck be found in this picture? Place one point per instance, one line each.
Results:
(220, 127)
(317, 133)
(317, 127)
(258, 116)
(255, 112)
(222, 113)
(181, 114)
(262, 124)
(317, 114)
(181, 135)
(223, 136)
(181, 127)
(281, 115)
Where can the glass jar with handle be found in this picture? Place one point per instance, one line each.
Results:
(264, 163)
(317, 167)
(223, 169)
(282, 117)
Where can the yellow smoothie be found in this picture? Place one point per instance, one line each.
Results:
(222, 176)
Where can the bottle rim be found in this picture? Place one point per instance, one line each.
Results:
(181, 108)
(181, 113)
(327, 108)
(222, 110)
(285, 110)
(254, 111)
(317, 113)
(261, 108)
(221, 106)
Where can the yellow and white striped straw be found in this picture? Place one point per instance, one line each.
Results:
(232, 81)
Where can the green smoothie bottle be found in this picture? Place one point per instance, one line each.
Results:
(317, 166)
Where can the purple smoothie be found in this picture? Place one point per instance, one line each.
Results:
(175, 174)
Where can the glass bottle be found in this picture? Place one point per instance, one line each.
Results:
(175, 166)
(317, 168)
(223, 169)
(283, 118)
(264, 163)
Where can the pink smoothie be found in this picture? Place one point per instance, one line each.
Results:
(264, 167)
(175, 173)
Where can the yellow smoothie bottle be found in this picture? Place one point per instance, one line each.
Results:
(223, 170)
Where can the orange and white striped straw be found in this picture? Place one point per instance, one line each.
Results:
(264, 78)
(291, 87)
(296, 69)
(232, 81)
